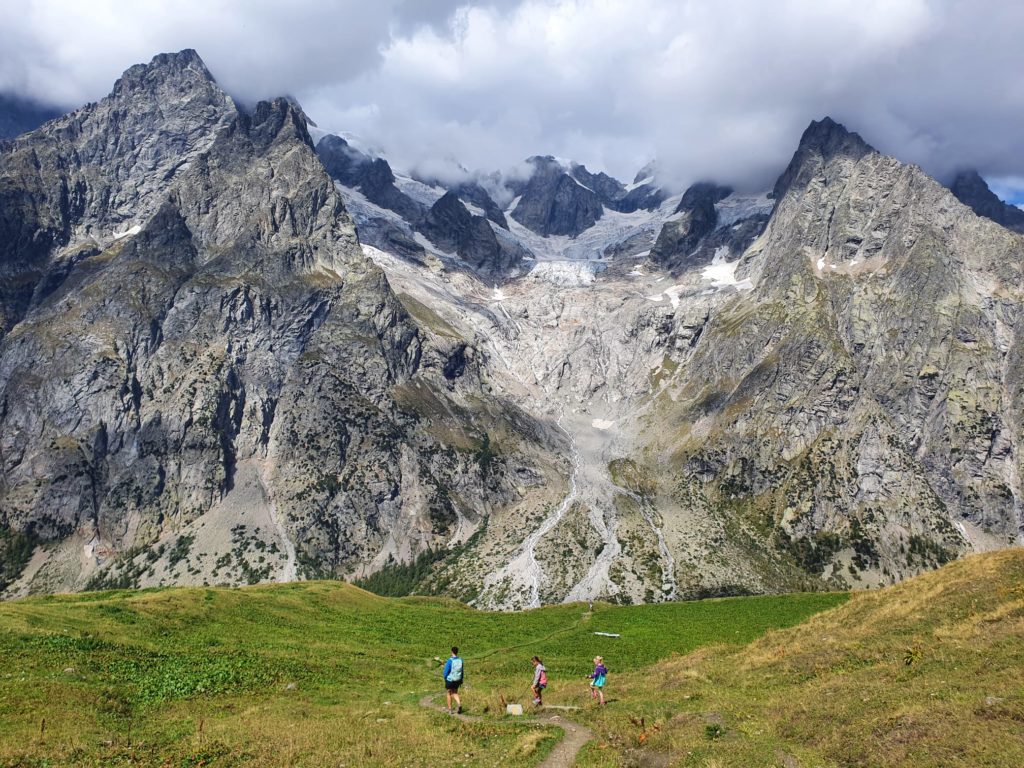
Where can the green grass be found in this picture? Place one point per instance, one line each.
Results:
(926, 674)
(317, 673)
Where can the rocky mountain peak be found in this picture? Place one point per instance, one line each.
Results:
(703, 195)
(823, 141)
(972, 190)
(281, 117)
(830, 138)
(184, 68)
(554, 203)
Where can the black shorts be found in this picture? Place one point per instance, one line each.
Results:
(452, 685)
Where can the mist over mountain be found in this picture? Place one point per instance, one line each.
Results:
(712, 90)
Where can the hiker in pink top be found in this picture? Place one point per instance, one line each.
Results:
(540, 680)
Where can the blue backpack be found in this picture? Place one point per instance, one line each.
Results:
(455, 673)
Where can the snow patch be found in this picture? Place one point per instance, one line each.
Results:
(602, 424)
(821, 264)
(130, 232)
(642, 182)
(476, 210)
(424, 194)
(498, 295)
(672, 293)
(722, 273)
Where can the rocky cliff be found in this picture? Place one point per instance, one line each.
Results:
(553, 202)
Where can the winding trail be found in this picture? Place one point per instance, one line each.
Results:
(564, 753)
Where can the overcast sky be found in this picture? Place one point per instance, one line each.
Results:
(714, 89)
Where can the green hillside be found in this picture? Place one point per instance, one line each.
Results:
(318, 673)
(929, 672)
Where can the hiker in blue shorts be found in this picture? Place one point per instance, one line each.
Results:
(453, 680)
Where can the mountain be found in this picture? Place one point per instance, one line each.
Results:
(553, 202)
(857, 409)
(203, 378)
(389, 218)
(229, 356)
(971, 190)
(826, 393)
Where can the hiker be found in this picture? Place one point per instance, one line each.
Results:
(540, 680)
(597, 679)
(453, 680)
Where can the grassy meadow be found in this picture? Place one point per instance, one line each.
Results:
(925, 674)
(325, 674)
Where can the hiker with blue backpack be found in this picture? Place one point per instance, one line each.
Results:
(453, 671)
(540, 680)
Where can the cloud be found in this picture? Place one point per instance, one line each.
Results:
(714, 90)
(68, 53)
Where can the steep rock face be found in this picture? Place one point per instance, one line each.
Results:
(607, 189)
(858, 413)
(372, 176)
(971, 190)
(471, 192)
(450, 226)
(553, 203)
(677, 246)
(202, 378)
(644, 197)
(91, 172)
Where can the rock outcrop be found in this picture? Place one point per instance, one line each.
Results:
(552, 202)
(676, 248)
(450, 226)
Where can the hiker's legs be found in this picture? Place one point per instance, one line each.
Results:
(448, 698)
(458, 700)
(600, 692)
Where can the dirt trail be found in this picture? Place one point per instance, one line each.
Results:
(564, 753)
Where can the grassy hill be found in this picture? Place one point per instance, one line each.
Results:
(318, 673)
(926, 673)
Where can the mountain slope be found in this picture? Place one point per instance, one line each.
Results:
(203, 378)
(858, 410)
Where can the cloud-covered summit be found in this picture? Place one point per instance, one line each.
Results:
(713, 90)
